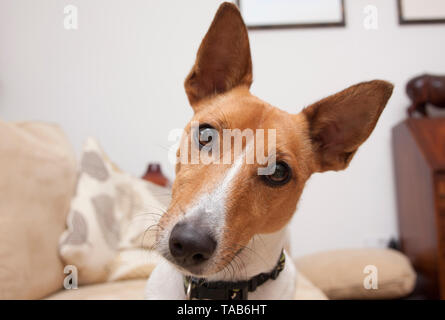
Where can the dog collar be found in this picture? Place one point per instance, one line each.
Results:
(200, 288)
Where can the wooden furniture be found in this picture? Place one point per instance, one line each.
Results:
(419, 160)
(423, 90)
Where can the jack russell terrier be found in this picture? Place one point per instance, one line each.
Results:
(223, 234)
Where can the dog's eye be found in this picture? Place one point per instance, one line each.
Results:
(281, 175)
(205, 135)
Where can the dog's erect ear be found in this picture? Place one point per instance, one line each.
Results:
(223, 60)
(339, 124)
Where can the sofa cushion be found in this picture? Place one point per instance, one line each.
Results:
(135, 289)
(359, 273)
(37, 179)
(306, 290)
(111, 221)
(119, 290)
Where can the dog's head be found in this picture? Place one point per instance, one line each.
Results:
(219, 205)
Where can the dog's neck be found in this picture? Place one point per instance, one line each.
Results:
(259, 256)
(166, 281)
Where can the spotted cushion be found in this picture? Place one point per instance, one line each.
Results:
(110, 231)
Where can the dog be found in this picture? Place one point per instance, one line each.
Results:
(223, 234)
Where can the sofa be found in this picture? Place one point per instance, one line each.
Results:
(46, 192)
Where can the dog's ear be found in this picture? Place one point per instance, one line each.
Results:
(223, 60)
(340, 123)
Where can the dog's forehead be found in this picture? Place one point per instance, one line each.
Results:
(239, 109)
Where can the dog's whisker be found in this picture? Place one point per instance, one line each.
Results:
(148, 229)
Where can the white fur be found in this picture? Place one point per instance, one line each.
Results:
(166, 282)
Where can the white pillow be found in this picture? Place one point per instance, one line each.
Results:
(111, 212)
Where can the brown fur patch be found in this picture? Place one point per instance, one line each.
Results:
(340, 123)
(223, 60)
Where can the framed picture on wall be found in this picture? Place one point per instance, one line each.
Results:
(417, 12)
(268, 14)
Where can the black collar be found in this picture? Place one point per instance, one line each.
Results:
(199, 288)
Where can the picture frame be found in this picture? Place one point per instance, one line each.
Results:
(421, 12)
(267, 14)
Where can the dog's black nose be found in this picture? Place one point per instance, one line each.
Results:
(190, 245)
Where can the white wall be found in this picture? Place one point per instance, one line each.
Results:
(119, 78)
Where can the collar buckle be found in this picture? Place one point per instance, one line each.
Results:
(239, 293)
(188, 293)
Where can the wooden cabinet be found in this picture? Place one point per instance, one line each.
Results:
(419, 161)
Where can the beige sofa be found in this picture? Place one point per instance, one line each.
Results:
(38, 174)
